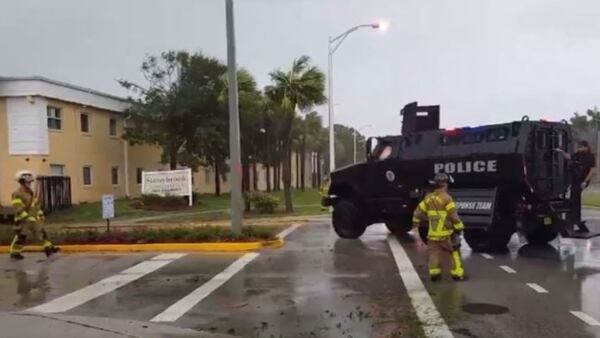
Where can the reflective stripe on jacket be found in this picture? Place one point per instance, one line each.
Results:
(440, 211)
(26, 206)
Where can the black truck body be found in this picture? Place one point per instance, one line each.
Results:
(507, 177)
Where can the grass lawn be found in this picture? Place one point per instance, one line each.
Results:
(306, 203)
(591, 198)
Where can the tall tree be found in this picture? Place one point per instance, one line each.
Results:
(252, 105)
(344, 146)
(212, 144)
(585, 127)
(301, 87)
(312, 142)
(297, 146)
(181, 94)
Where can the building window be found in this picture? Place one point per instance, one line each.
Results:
(112, 127)
(87, 175)
(84, 122)
(114, 175)
(54, 121)
(138, 175)
(57, 170)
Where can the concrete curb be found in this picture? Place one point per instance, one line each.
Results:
(161, 247)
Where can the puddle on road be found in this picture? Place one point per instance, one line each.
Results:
(484, 309)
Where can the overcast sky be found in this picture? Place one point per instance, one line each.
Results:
(483, 61)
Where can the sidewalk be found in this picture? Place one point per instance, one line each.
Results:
(32, 325)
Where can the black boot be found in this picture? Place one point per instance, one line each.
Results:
(435, 278)
(459, 278)
(50, 250)
(16, 256)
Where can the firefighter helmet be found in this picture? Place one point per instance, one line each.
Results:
(441, 178)
(24, 175)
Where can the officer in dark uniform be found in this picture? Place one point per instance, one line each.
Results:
(582, 164)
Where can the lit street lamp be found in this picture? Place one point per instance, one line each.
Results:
(355, 132)
(334, 44)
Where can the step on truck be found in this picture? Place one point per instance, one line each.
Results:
(507, 178)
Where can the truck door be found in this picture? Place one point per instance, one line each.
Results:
(385, 180)
(549, 167)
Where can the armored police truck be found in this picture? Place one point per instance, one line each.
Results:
(507, 178)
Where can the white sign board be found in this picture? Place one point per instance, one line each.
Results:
(168, 183)
(108, 206)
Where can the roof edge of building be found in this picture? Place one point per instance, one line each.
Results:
(81, 95)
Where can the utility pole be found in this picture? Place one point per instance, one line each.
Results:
(234, 125)
(330, 106)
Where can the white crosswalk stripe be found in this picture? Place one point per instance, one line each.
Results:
(586, 318)
(81, 296)
(182, 306)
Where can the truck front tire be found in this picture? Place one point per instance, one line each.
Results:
(348, 221)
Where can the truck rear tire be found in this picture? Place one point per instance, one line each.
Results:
(494, 239)
(348, 221)
(400, 226)
(541, 236)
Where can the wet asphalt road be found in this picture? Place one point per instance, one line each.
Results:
(322, 286)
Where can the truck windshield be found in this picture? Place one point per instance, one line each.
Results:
(381, 151)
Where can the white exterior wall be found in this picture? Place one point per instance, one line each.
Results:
(27, 126)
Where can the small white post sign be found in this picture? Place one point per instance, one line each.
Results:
(108, 209)
(168, 183)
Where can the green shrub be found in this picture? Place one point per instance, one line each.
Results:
(263, 203)
(163, 201)
(148, 235)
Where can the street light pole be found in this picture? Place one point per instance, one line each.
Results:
(330, 105)
(333, 45)
(355, 132)
(234, 125)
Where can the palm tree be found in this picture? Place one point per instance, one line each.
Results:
(311, 142)
(301, 88)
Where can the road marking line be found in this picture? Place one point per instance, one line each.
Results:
(507, 269)
(537, 288)
(289, 230)
(145, 268)
(433, 323)
(175, 311)
(109, 284)
(487, 256)
(167, 257)
(586, 318)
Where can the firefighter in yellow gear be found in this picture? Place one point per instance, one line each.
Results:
(445, 228)
(29, 218)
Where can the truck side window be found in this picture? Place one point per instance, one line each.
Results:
(497, 134)
(452, 139)
(541, 140)
(472, 138)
